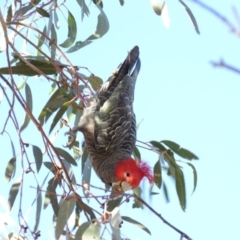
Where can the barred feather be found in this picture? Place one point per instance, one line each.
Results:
(108, 122)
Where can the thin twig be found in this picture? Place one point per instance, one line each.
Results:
(222, 64)
(163, 219)
(218, 15)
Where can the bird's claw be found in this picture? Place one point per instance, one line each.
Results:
(72, 136)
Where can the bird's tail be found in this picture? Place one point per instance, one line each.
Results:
(130, 66)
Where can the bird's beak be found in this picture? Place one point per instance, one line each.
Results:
(121, 186)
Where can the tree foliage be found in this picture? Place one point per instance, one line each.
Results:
(48, 166)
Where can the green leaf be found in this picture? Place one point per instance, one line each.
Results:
(42, 12)
(86, 176)
(35, 60)
(158, 145)
(115, 222)
(165, 191)
(25, 9)
(157, 174)
(114, 202)
(169, 158)
(54, 106)
(38, 208)
(182, 152)
(102, 26)
(65, 211)
(84, 8)
(92, 232)
(44, 111)
(12, 146)
(137, 203)
(84, 156)
(50, 166)
(70, 173)
(14, 192)
(154, 193)
(9, 14)
(83, 227)
(54, 40)
(95, 82)
(180, 187)
(22, 83)
(83, 206)
(136, 153)
(51, 195)
(37, 153)
(194, 176)
(121, 2)
(58, 116)
(10, 169)
(24, 69)
(42, 38)
(72, 31)
(77, 216)
(56, 19)
(190, 14)
(78, 45)
(98, 3)
(138, 224)
(29, 101)
(66, 156)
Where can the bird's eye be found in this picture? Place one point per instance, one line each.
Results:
(127, 174)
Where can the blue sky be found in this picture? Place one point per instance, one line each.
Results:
(180, 97)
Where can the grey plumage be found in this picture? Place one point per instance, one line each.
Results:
(108, 122)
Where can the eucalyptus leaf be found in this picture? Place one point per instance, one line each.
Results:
(51, 195)
(65, 211)
(66, 156)
(102, 26)
(72, 31)
(78, 45)
(29, 102)
(194, 176)
(182, 152)
(14, 192)
(95, 82)
(136, 153)
(92, 232)
(158, 145)
(42, 12)
(157, 174)
(180, 187)
(138, 224)
(10, 169)
(190, 14)
(38, 209)
(58, 116)
(37, 153)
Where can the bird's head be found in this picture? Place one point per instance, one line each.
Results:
(129, 174)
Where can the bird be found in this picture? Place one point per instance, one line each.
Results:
(108, 124)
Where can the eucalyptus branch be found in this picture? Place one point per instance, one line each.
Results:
(220, 16)
(222, 64)
(56, 46)
(39, 127)
(182, 234)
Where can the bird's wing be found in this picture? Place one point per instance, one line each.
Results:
(115, 124)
